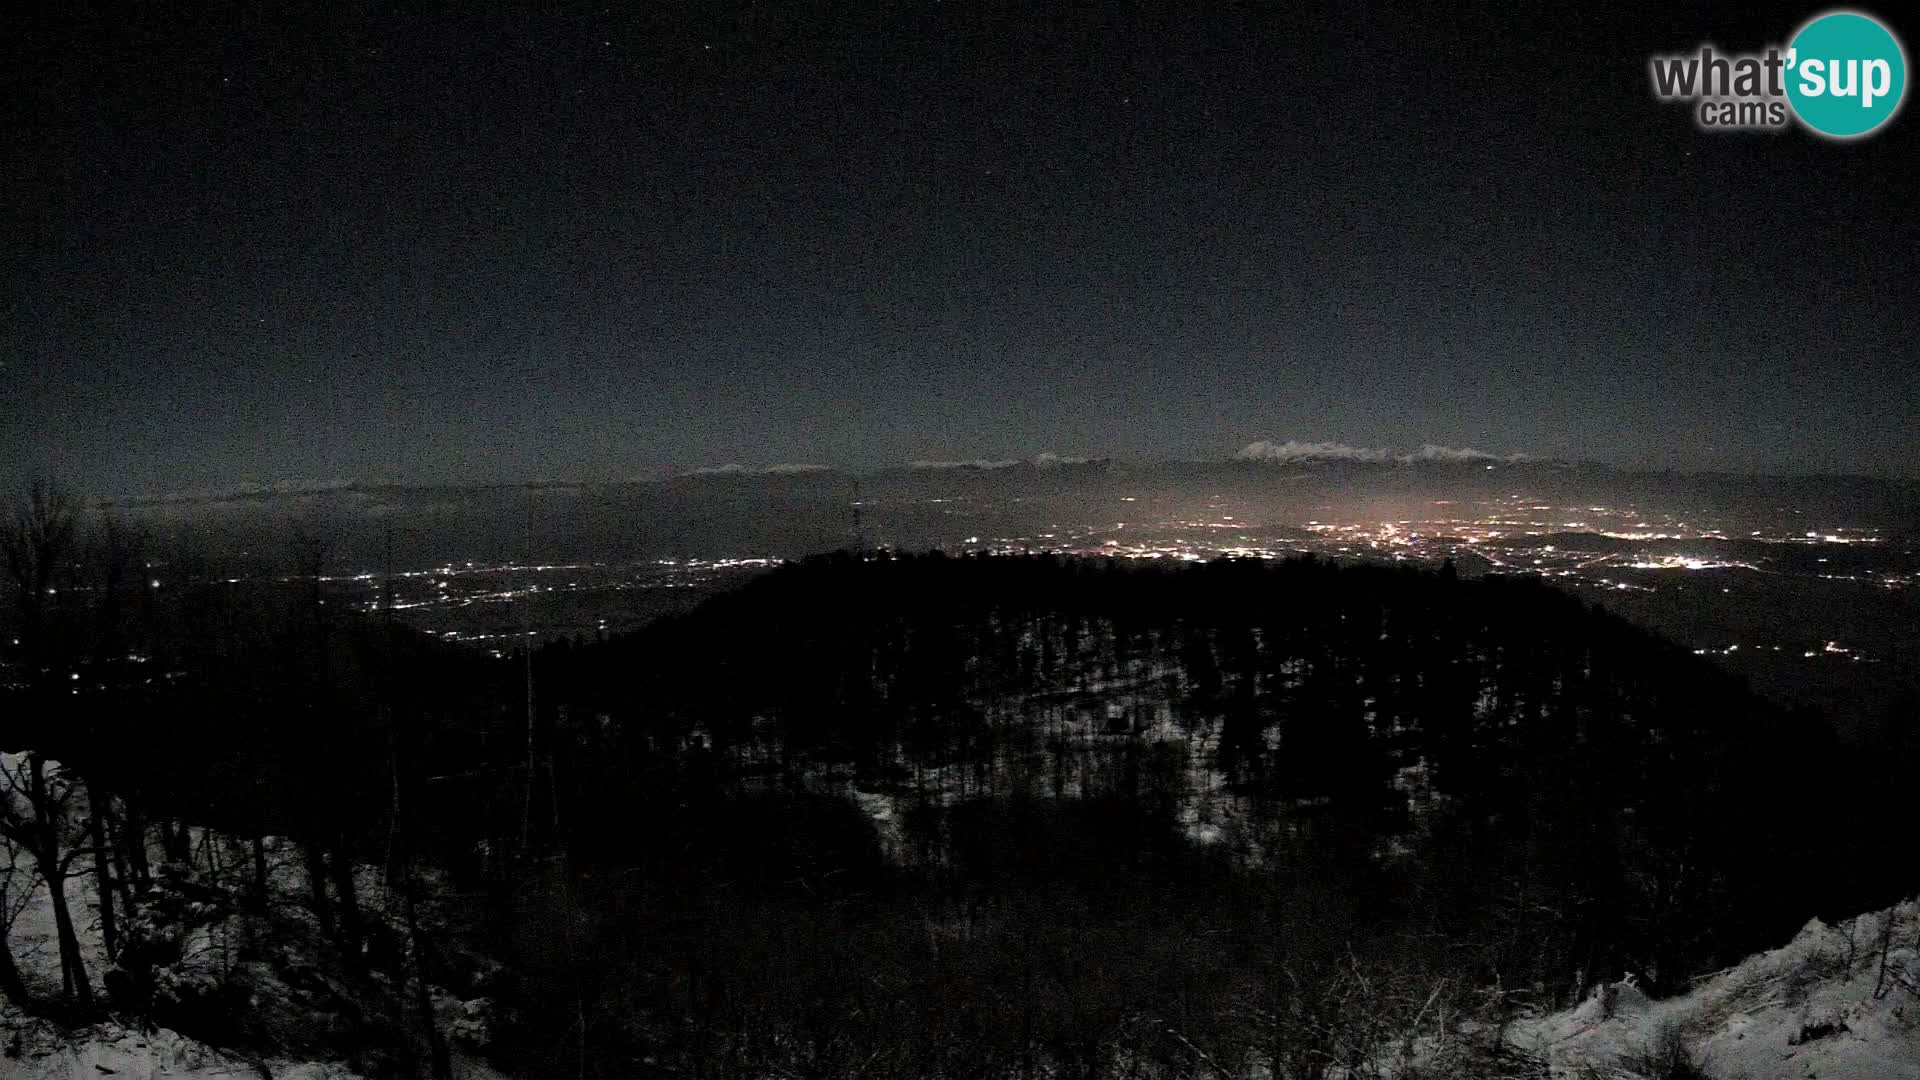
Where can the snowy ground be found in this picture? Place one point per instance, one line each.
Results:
(1822, 1007)
(49, 1053)
(1806, 1010)
(35, 1049)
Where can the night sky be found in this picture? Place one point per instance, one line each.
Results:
(602, 243)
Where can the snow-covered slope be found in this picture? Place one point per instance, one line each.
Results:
(298, 997)
(1823, 1006)
(44, 1052)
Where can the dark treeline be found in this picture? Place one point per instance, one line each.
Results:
(1347, 691)
(1286, 767)
(948, 817)
(179, 730)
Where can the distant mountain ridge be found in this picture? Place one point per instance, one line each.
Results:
(1260, 456)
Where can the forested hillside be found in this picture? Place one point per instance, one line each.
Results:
(1271, 771)
(891, 815)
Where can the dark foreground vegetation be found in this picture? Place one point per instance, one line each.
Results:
(886, 816)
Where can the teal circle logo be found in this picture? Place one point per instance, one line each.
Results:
(1846, 74)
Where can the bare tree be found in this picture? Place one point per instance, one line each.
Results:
(34, 819)
(114, 553)
(38, 541)
(324, 829)
(16, 888)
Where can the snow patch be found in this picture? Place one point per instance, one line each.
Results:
(1823, 1005)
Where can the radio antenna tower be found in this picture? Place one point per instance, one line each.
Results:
(859, 533)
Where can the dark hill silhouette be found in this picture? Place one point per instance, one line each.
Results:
(1500, 707)
(983, 815)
